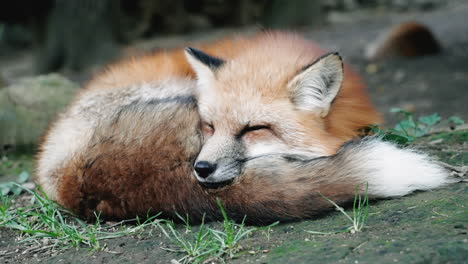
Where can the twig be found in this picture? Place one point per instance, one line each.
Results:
(447, 129)
(460, 169)
(6, 253)
(360, 245)
(437, 213)
(457, 171)
(113, 252)
(37, 249)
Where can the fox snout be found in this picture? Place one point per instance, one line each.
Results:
(216, 174)
(203, 169)
(219, 162)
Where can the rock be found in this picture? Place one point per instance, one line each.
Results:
(27, 107)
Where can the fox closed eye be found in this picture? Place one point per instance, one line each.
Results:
(207, 128)
(249, 128)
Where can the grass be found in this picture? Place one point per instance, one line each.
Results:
(233, 233)
(358, 218)
(45, 220)
(207, 243)
(44, 225)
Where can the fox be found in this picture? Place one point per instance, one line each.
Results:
(266, 124)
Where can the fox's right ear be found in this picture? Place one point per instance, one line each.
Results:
(316, 86)
(203, 65)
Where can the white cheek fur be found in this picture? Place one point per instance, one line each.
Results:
(265, 148)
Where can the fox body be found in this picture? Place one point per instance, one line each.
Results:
(257, 122)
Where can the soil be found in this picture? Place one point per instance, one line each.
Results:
(425, 227)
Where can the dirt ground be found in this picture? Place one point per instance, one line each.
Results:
(426, 227)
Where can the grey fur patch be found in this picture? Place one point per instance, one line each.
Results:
(188, 101)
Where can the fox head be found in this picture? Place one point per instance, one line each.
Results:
(255, 107)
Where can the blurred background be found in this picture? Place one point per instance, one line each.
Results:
(412, 53)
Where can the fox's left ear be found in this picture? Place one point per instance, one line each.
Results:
(204, 65)
(316, 86)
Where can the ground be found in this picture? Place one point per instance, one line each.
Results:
(425, 227)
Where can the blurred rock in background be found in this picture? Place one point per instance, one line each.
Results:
(27, 107)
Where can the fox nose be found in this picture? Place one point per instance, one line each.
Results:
(204, 168)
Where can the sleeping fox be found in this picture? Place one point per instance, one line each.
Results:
(267, 124)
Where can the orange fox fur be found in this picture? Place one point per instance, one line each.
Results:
(352, 110)
(138, 159)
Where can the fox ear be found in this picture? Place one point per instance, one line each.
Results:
(203, 65)
(316, 86)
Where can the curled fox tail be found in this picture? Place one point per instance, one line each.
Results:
(286, 187)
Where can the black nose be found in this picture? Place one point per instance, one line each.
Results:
(204, 168)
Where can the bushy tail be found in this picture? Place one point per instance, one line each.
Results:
(391, 171)
(290, 187)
